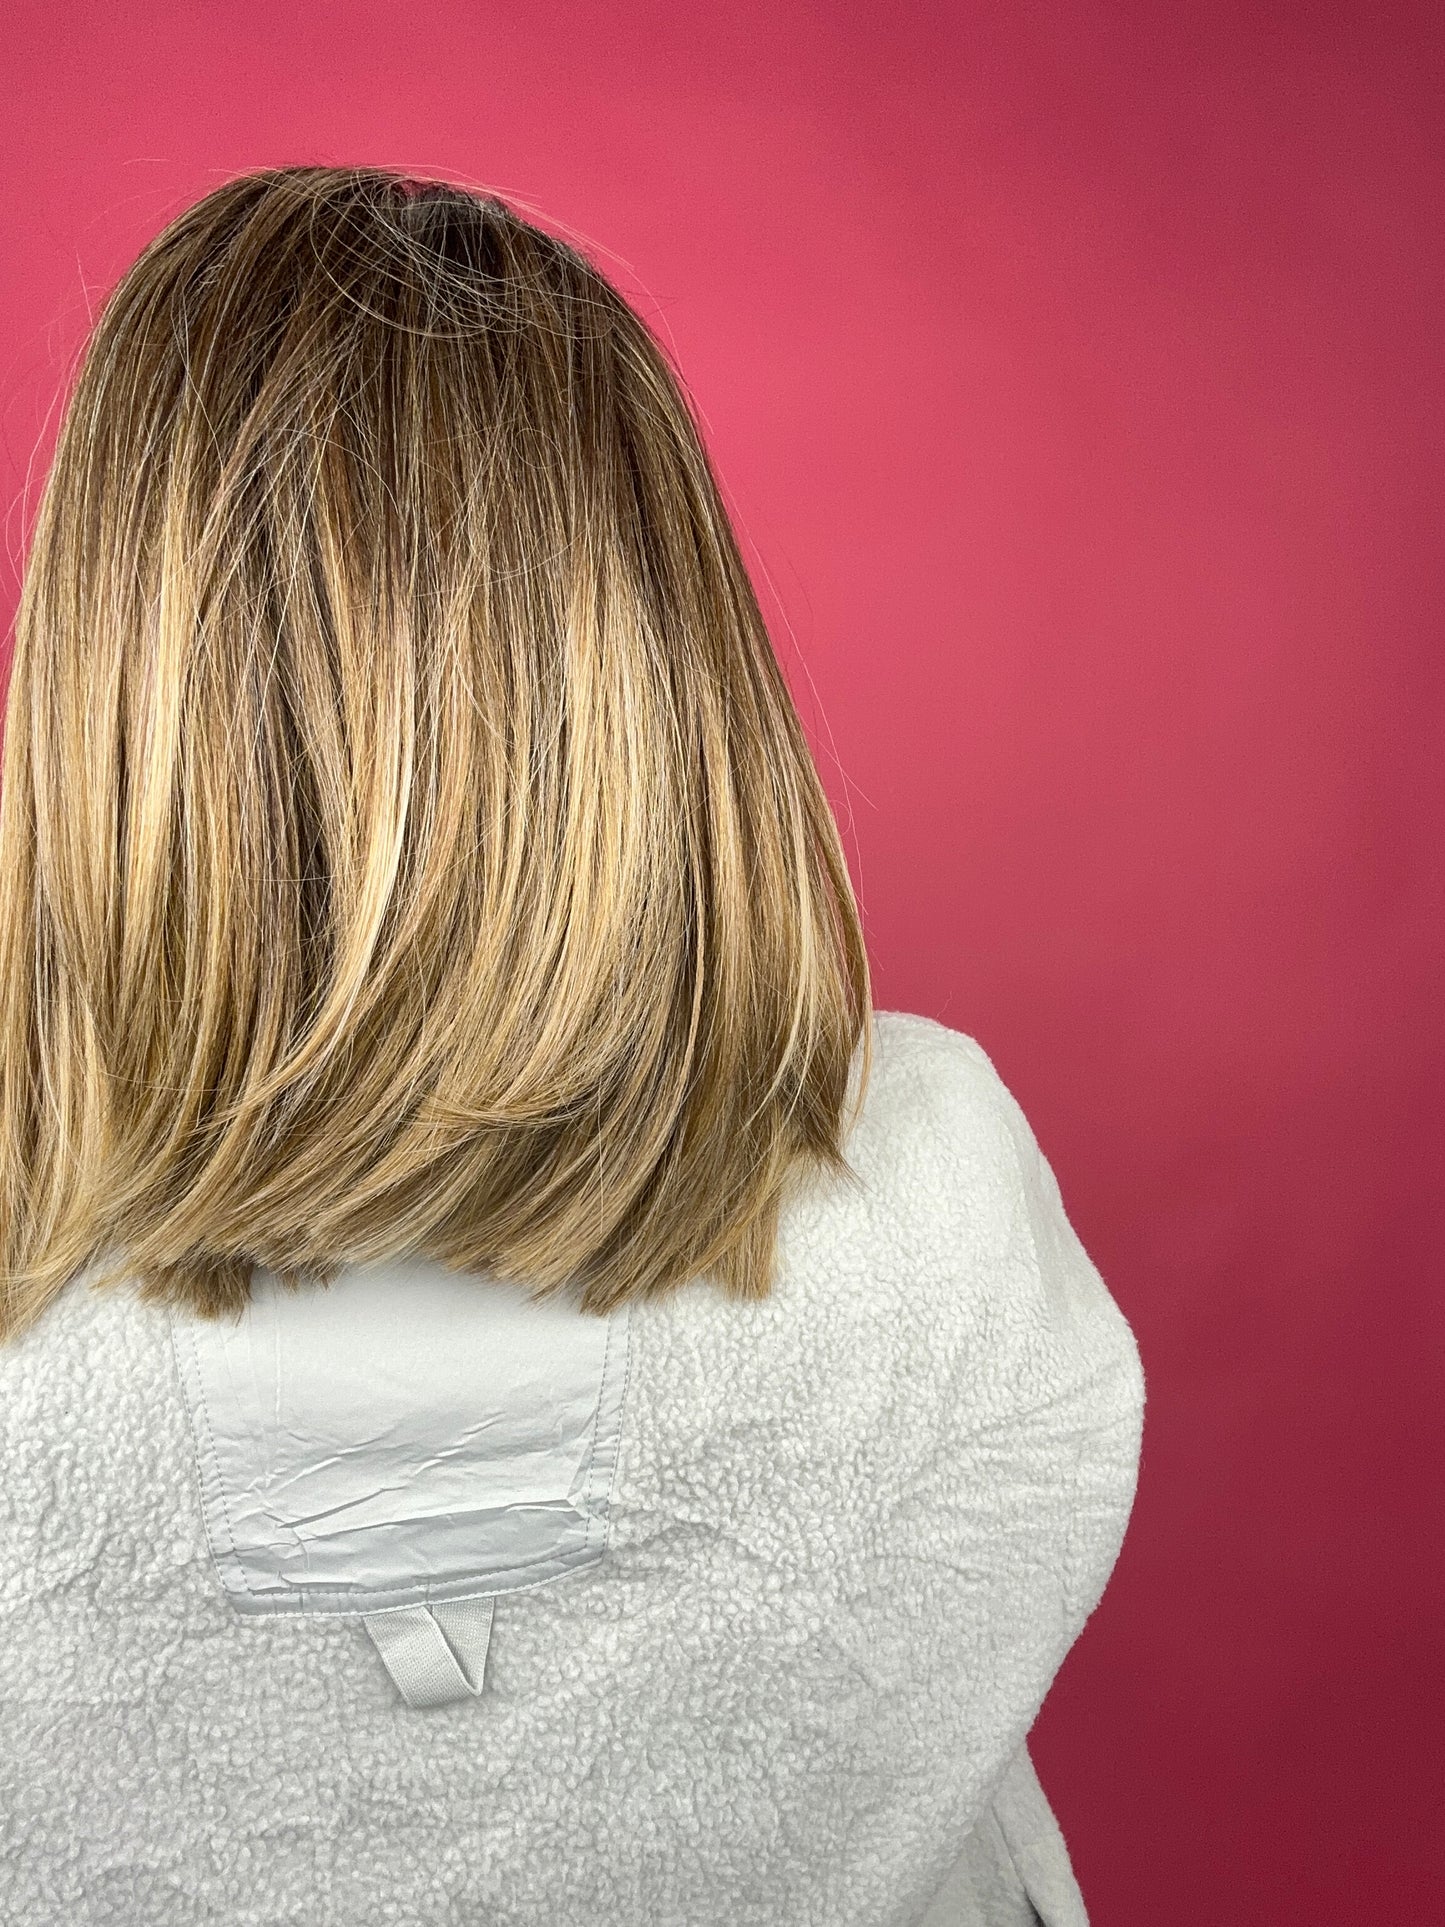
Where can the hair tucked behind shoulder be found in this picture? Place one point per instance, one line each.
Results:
(407, 840)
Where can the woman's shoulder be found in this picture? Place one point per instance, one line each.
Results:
(960, 1219)
(916, 1057)
(938, 1123)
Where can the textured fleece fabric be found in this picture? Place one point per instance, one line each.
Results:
(855, 1529)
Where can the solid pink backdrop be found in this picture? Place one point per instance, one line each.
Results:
(1073, 370)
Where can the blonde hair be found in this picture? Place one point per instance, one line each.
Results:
(407, 840)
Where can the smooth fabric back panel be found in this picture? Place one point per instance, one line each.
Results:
(405, 1435)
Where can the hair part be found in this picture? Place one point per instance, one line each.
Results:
(407, 839)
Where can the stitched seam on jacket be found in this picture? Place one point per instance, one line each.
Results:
(588, 1488)
(621, 1421)
(219, 1484)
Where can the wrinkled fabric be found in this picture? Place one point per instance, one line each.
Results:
(399, 1437)
(853, 1531)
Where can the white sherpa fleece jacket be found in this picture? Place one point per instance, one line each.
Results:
(409, 1601)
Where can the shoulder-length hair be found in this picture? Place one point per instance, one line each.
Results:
(408, 841)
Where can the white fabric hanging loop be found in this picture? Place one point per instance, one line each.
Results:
(434, 1654)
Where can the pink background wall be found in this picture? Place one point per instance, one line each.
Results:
(1074, 371)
